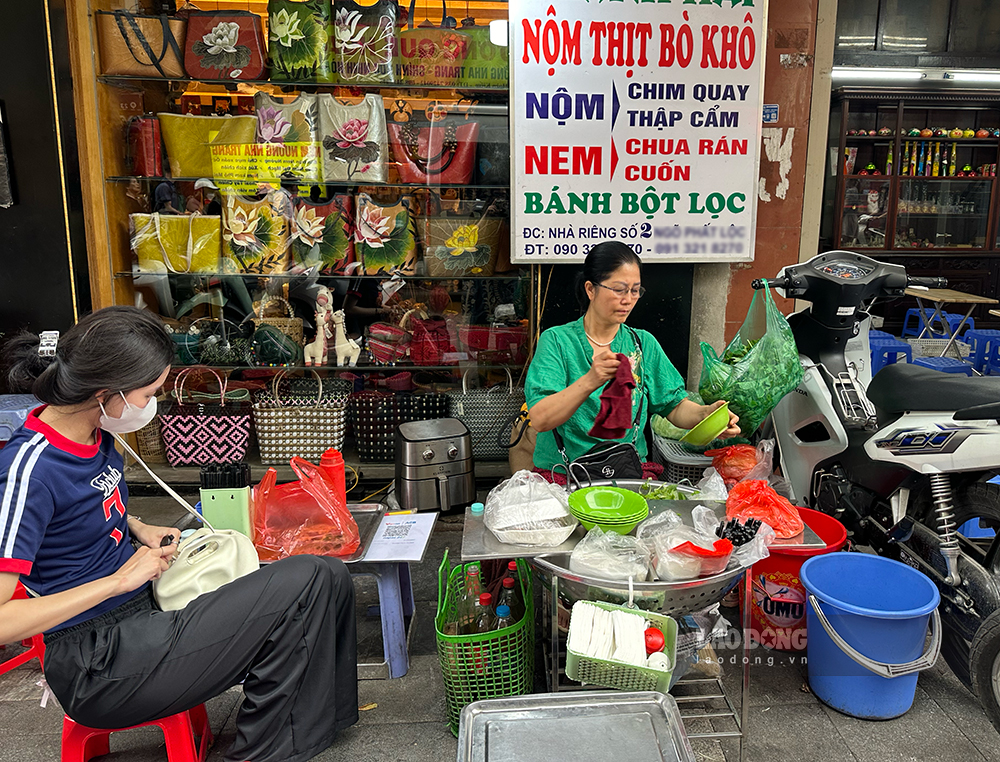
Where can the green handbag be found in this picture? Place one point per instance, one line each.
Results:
(272, 348)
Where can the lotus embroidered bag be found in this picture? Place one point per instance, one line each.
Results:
(226, 45)
(323, 234)
(201, 433)
(355, 145)
(384, 236)
(364, 41)
(298, 40)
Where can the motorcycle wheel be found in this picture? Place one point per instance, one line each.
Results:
(984, 660)
(980, 500)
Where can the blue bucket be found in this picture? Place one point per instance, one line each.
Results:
(867, 618)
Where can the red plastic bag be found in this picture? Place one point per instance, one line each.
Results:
(306, 517)
(755, 499)
(734, 462)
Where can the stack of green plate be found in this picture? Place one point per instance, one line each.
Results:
(611, 508)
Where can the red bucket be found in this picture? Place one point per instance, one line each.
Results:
(778, 598)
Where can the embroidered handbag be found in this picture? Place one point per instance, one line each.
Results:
(255, 234)
(323, 234)
(145, 146)
(203, 433)
(175, 243)
(224, 45)
(364, 41)
(440, 153)
(294, 121)
(430, 55)
(298, 33)
(462, 245)
(355, 145)
(384, 236)
(300, 417)
(189, 139)
(141, 46)
(485, 412)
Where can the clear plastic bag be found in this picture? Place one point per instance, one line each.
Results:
(610, 555)
(663, 521)
(712, 486)
(527, 510)
(756, 550)
(686, 553)
(307, 517)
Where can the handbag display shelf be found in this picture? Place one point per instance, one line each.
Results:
(205, 428)
(375, 417)
(300, 417)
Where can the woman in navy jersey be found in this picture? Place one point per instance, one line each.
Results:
(112, 658)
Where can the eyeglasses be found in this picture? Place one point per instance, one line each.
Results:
(622, 291)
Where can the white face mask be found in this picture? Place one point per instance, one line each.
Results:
(131, 419)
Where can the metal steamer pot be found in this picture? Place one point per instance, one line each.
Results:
(672, 598)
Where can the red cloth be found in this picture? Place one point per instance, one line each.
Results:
(614, 418)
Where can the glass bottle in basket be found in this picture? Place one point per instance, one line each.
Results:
(466, 610)
(509, 596)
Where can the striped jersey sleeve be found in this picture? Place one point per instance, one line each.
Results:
(26, 505)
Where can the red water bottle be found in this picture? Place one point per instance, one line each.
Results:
(332, 464)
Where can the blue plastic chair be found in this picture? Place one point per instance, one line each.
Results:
(886, 351)
(953, 319)
(944, 364)
(984, 341)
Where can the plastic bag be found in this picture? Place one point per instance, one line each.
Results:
(686, 553)
(756, 550)
(306, 517)
(527, 510)
(665, 520)
(756, 499)
(759, 367)
(712, 486)
(733, 463)
(610, 555)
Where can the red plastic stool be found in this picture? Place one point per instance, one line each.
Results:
(80, 743)
(36, 643)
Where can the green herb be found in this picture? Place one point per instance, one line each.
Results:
(665, 492)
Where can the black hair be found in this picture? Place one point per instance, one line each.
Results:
(119, 349)
(601, 261)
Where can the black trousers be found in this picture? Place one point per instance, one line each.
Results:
(289, 629)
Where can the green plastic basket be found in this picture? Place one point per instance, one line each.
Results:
(615, 674)
(488, 665)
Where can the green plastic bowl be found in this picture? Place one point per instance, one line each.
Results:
(609, 503)
(619, 528)
(709, 428)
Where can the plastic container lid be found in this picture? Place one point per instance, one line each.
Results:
(503, 611)
(478, 508)
(486, 599)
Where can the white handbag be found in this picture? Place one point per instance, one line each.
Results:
(355, 140)
(205, 561)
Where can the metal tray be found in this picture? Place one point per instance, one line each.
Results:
(368, 516)
(638, 727)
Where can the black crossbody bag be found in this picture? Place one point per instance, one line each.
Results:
(605, 460)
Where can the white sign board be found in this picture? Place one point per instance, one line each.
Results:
(638, 121)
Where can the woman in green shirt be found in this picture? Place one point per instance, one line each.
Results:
(573, 362)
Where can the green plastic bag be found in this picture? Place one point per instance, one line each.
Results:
(759, 367)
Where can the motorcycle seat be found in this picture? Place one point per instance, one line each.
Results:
(902, 387)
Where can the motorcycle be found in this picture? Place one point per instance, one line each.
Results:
(902, 458)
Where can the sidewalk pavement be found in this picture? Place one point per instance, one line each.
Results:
(404, 719)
